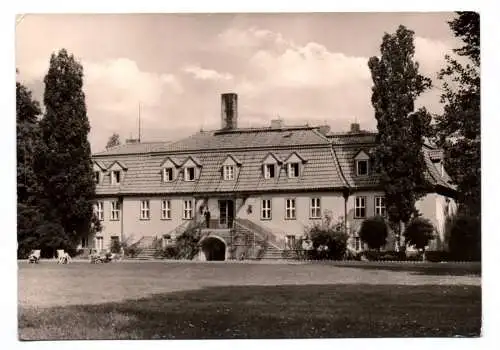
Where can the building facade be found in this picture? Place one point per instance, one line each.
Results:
(273, 181)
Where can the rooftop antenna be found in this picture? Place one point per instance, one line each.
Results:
(139, 139)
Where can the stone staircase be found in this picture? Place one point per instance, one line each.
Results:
(249, 237)
(145, 244)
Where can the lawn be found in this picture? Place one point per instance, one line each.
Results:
(156, 300)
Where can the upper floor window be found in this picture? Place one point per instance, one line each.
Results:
(189, 174)
(290, 209)
(269, 171)
(315, 208)
(145, 213)
(115, 177)
(115, 210)
(293, 169)
(362, 167)
(228, 171)
(168, 174)
(380, 208)
(360, 207)
(166, 210)
(187, 213)
(266, 209)
(97, 177)
(99, 210)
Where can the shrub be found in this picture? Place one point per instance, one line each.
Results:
(188, 242)
(329, 240)
(437, 255)
(169, 252)
(419, 233)
(374, 232)
(262, 248)
(465, 238)
(131, 251)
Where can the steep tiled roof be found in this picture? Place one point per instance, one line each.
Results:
(135, 148)
(210, 149)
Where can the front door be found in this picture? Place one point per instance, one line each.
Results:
(226, 213)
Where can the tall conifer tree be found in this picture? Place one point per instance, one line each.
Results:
(401, 130)
(63, 166)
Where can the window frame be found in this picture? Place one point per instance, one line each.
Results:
(115, 208)
(290, 209)
(367, 167)
(290, 241)
(379, 207)
(186, 210)
(99, 239)
(145, 209)
(266, 209)
(226, 172)
(97, 177)
(267, 174)
(99, 210)
(164, 174)
(186, 172)
(166, 209)
(114, 178)
(290, 167)
(356, 207)
(313, 208)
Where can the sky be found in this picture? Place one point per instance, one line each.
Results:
(303, 68)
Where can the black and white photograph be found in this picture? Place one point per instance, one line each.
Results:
(210, 176)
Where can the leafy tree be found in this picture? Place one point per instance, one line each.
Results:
(401, 129)
(459, 127)
(463, 243)
(419, 233)
(374, 232)
(329, 240)
(63, 165)
(114, 140)
(27, 112)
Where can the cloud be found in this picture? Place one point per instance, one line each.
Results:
(250, 38)
(206, 74)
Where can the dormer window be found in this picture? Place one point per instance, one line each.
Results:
(293, 169)
(189, 174)
(269, 171)
(228, 172)
(168, 174)
(362, 167)
(115, 177)
(97, 177)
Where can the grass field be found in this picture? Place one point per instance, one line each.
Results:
(156, 300)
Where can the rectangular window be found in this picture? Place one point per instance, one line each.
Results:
(99, 210)
(269, 171)
(315, 208)
(166, 212)
(290, 242)
(145, 210)
(357, 243)
(360, 207)
(228, 172)
(115, 210)
(266, 209)
(380, 206)
(293, 169)
(189, 174)
(168, 174)
(85, 242)
(362, 167)
(99, 243)
(115, 177)
(290, 209)
(115, 242)
(97, 177)
(187, 213)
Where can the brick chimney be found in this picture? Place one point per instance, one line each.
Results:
(229, 111)
(355, 128)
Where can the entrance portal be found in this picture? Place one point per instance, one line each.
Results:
(214, 249)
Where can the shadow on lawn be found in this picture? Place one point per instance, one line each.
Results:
(428, 269)
(286, 311)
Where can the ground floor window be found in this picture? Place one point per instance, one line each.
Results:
(115, 244)
(357, 243)
(99, 243)
(380, 206)
(290, 242)
(85, 242)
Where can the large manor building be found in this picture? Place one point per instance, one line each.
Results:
(272, 181)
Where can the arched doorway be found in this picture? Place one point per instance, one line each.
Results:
(214, 249)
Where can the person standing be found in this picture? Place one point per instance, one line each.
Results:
(207, 217)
